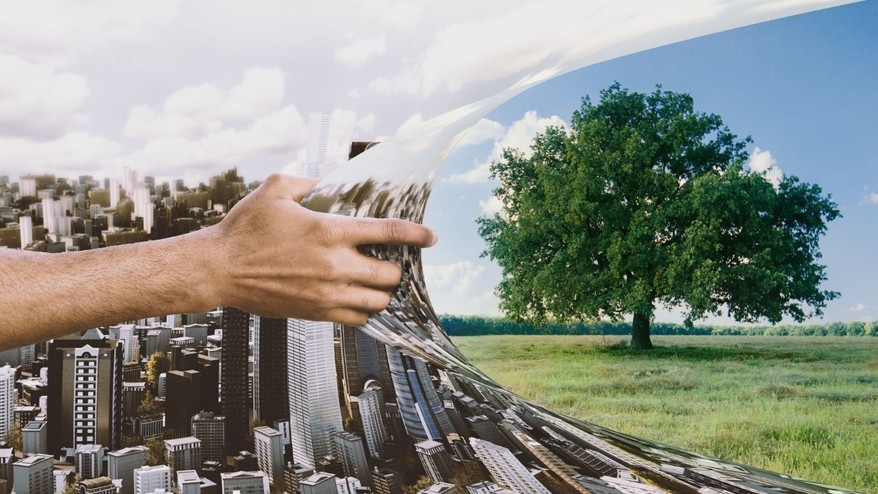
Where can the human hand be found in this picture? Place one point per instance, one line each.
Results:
(276, 258)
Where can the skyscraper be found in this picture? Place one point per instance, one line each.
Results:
(89, 460)
(245, 482)
(85, 393)
(371, 417)
(435, 460)
(183, 401)
(121, 465)
(315, 413)
(26, 229)
(423, 413)
(270, 454)
(7, 399)
(270, 400)
(183, 454)
(236, 350)
(505, 468)
(211, 430)
(350, 451)
(33, 475)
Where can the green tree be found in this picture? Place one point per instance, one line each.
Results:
(646, 201)
(157, 364)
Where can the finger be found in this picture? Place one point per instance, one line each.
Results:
(288, 186)
(361, 299)
(347, 316)
(389, 231)
(374, 273)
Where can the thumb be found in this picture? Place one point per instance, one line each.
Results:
(289, 187)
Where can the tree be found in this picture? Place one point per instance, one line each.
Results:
(645, 201)
(157, 364)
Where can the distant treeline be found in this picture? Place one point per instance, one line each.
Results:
(480, 326)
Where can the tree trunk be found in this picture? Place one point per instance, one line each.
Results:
(640, 332)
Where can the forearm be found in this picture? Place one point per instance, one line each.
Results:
(48, 295)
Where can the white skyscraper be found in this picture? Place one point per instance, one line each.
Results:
(373, 423)
(7, 399)
(314, 164)
(314, 409)
(114, 192)
(270, 453)
(144, 208)
(505, 468)
(26, 230)
(49, 214)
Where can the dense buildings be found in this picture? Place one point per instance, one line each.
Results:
(235, 383)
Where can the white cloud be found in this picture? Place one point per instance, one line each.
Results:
(61, 31)
(519, 135)
(359, 52)
(484, 130)
(38, 101)
(873, 197)
(764, 164)
(72, 152)
(491, 206)
(858, 308)
(455, 278)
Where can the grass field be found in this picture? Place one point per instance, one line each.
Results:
(804, 406)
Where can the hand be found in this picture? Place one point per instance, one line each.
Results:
(278, 259)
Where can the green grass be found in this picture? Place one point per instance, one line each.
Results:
(804, 406)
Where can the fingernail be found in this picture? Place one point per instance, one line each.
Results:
(434, 239)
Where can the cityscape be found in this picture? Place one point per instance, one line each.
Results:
(226, 401)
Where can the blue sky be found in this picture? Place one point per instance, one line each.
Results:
(805, 88)
(187, 89)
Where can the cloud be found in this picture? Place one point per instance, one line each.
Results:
(59, 32)
(858, 308)
(344, 127)
(519, 136)
(359, 52)
(764, 164)
(72, 152)
(455, 278)
(483, 130)
(491, 206)
(873, 197)
(38, 101)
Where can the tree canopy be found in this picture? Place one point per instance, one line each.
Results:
(646, 201)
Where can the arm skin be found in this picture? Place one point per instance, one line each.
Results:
(269, 256)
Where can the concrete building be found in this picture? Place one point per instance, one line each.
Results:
(505, 468)
(8, 398)
(350, 451)
(348, 485)
(89, 460)
(314, 409)
(270, 454)
(188, 482)
(7, 458)
(33, 475)
(98, 485)
(435, 460)
(148, 479)
(122, 463)
(35, 438)
(319, 483)
(183, 453)
(26, 230)
(439, 488)
(254, 482)
(386, 481)
(211, 430)
(235, 383)
(374, 430)
(270, 399)
(182, 403)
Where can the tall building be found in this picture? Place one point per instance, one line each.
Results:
(35, 437)
(211, 430)
(435, 460)
(423, 412)
(385, 481)
(26, 229)
(295, 473)
(505, 468)
(183, 391)
(270, 400)
(8, 398)
(33, 475)
(188, 482)
(245, 482)
(7, 458)
(148, 479)
(371, 416)
(235, 406)
(315, 413)
(364, 364)
(89, 460)
(85, 393)
(270, 454)
(122, 463)
(315, 165)
(350, 451)
(183, 454)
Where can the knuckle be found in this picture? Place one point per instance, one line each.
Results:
(331, 270)
(274, 179)
(394, 230)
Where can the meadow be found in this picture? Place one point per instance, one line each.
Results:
(803, 406)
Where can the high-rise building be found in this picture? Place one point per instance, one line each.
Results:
(423, 412)
(33, 475)
(97, 485)
(270, 400)
(183, 391)
(133, 394)
(505, 468)
(35, 437)
(319, 483)
(350, 451)
(122, 463)
(188, 482)
(315, 413)
(348, 485)
(435, 460)
(89, 460)
(386, 481)
(270, 454)
(295, 473)
(371, 416)
(315, 165)
(26, 229)
(8, 398)
(211, 430)
(235, 406)
(254, 482)
(7, 458)
(85, 393)
(183, 454)
(148, 479)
